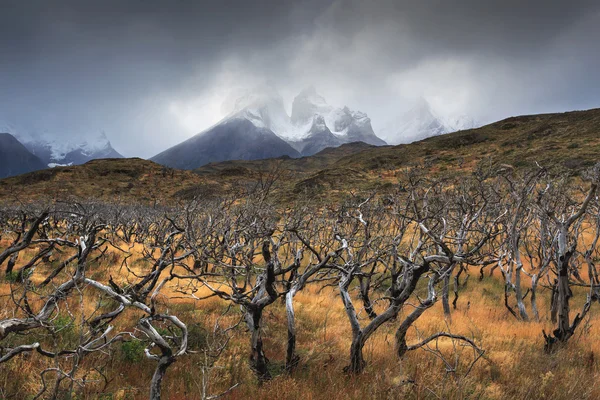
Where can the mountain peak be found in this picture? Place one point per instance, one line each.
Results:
(318, 123)
(421, 109)
(310, 94)
(7, 137)
(313, 125)
(308, 91)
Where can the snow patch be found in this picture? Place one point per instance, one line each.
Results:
(54, 165)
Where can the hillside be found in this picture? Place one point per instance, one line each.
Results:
(567, 141)
(114, 180)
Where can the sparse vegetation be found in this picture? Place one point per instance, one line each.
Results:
(417, 292)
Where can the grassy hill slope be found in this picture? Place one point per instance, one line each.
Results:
(114, 180)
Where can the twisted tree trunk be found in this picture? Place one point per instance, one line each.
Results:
(23, 243)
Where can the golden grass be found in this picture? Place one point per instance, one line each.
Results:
(516, 366)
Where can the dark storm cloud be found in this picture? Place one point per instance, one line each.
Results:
(151, 73)
(484, 58)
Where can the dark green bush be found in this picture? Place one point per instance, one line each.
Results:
(132, 351)
(197, 337)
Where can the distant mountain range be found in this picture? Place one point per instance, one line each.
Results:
(312, 126)
(259, 127)
(48, 151)
(256, 127)
(563, 143)
(60, 152)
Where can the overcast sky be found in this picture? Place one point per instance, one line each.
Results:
(152, 73)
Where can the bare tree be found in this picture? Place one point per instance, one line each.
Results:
(429, 238)
(566, 214)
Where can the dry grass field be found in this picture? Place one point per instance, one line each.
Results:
(514, 365)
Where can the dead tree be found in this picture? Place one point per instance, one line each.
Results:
(566, 214)
(244, 254)
(24, 237)
(88, 224)
(426, 245)
(314, 234)
(520, 201)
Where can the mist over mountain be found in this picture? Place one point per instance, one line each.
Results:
(422, 121)
(259, 127)
(153, 74)
(58, 150)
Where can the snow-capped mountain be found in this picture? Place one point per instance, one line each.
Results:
(313, 125)
(342, 125)
(264, 107)
(259, 127)
(55, 151)
(231, 139)
(421, 122)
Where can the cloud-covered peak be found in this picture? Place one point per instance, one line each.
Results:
(422, 121)
(307, 104)
(259, 97)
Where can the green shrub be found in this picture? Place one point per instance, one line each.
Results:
(132, 351)
(11, 276)
(197, 337)
(63, 323)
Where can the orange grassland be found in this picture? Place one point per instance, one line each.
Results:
(515, 365)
